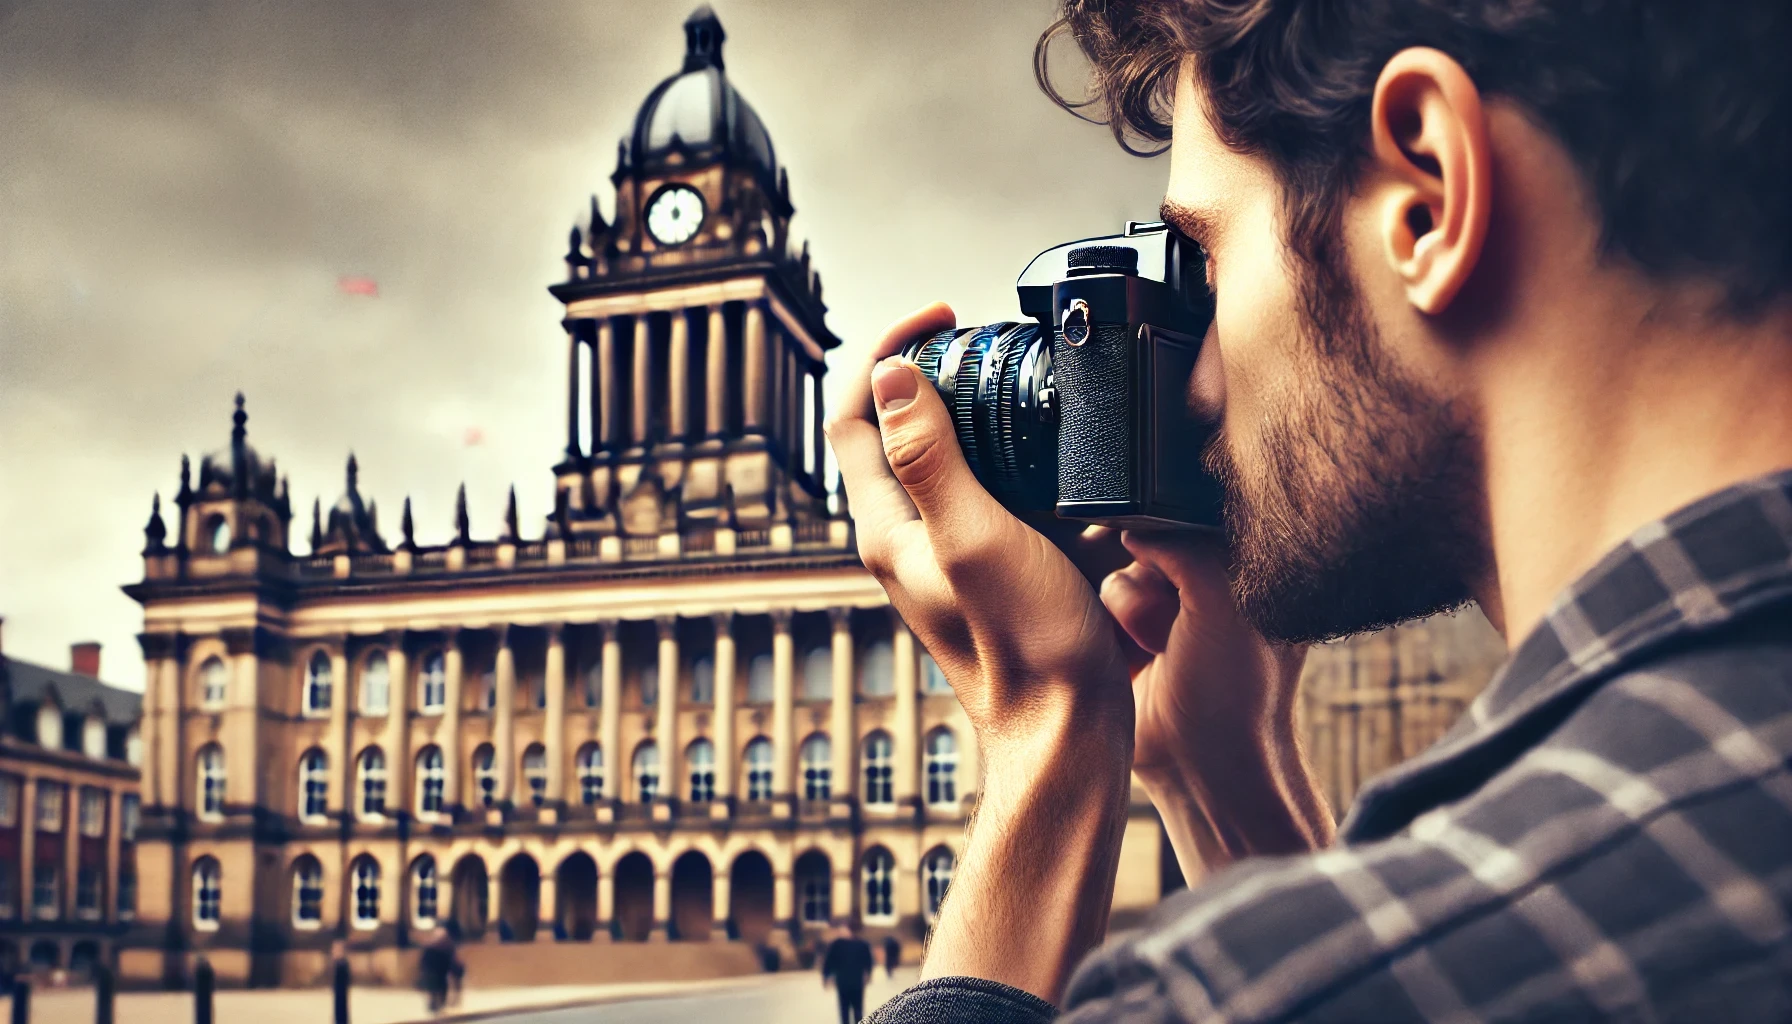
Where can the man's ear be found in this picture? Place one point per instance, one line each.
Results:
(1430, 147)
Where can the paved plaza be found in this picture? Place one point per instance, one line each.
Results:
(790, 996)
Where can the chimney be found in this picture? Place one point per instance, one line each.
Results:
(84, 659)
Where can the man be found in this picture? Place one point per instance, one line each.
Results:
(433, 967)
(340, 980)
(1502, 295)
(849, 963)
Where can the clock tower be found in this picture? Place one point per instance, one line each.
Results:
(696, 334)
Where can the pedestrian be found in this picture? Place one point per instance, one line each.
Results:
(849, 963)
(892, 955)
(434, 966)
(339, 979)
(457, 969)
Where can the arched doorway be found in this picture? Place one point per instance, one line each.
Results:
(83, 958)
(470, 897)
(634, 898)
(814, 890)
(693, 898)
(519, 898)
(750, 897)
(575, 893)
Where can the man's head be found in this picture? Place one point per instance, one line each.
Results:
(1391, 195)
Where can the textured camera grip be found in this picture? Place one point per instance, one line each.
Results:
(1094, 385)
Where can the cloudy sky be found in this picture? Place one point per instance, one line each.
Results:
(182, 183)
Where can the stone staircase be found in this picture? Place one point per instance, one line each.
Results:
(545, 962)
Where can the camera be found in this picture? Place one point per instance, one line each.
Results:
(1083, 411)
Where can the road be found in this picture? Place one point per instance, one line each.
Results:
(790, 997)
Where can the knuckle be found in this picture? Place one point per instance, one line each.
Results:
(915, 456)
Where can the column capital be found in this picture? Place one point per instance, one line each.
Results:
(724, 622)
(781, 619)
(556, 631)
(668, 626)
(609, 627)
(841, 618)
(451, 636)
(397, 637)
(502, 632)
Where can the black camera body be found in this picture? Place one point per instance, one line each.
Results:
(1084, 411)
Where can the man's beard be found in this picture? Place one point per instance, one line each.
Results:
(1362, 507)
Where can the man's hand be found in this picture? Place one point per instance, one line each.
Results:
(1034, 658)
(1216, 743)
(1011, 621)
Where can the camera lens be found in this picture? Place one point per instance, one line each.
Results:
(996, 381)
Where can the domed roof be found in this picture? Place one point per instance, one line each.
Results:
(698, 113)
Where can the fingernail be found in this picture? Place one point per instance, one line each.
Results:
(892, 385)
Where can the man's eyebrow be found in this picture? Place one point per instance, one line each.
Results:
(1193, 224)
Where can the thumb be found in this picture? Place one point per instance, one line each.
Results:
(922, 449)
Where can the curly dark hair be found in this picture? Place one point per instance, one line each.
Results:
(1677, 113)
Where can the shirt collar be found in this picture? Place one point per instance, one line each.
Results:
(1697, 569)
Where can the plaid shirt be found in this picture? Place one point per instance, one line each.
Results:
(1606, 834)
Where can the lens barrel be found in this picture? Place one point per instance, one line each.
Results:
(996, 381)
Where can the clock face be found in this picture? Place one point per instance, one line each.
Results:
(675, 215)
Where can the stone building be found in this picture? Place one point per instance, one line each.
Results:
(677, 719)
(68, 814)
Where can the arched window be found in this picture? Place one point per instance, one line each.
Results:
(373, 783)
(942, 768)
(210, 778)
(647, 771)
(214, 683)
(307, 892)
(817, 757)
(759, 679)
(376, 684)
(535, 773)
(591, 774)
(936, 878)
(759, 769)
(49, 726)
(318, 685)
(206, 884)
(703, 680)
(217, 535)
(485, 774)
(933, 680)
(701, 757)
(314, 785)
(818, 674)
(93, 737)
(430, 781)
(876, 875)
(650, 685)
(423, 892)
(432, 684)
(814, 888)
(365, 896)
(878, 670)
(878, 769)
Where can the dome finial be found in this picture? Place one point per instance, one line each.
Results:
(354, 472)
(703, 38)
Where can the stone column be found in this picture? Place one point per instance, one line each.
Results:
(448, 735)
(666, 727)
(678, 375)
(573, 450)
(148, 778)
(25, 895)
(841, 724)
(783, 706)
(841, 898)
(818, 441)
(606, 429)
(554, 678)
(716, 411)
(726, 755)
(342, 771)
(398, 728)
(758, 377)
(606, 902)
(907, 752)
(109, 888)
(504, 718)
(662, 900)
(722, 890)
(641, 400)
(783, 897)
(610, 722)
